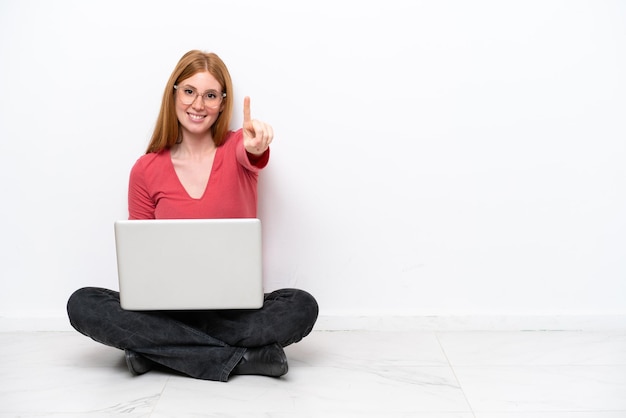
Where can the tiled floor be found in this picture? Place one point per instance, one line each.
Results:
(341, 374)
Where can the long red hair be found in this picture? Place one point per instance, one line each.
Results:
(167, 131)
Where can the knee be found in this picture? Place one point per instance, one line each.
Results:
(75, 300)
(303, 315)
(82, 305)
(77, 303)
(308, 304)
(74, 303)
(303, 305)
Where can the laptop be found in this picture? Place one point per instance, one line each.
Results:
(189, 264)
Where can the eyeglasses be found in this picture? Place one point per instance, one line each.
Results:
(188, 95)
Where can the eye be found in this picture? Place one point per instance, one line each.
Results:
(211, 95)
(189, 92)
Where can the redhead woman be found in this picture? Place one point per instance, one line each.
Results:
(195, 167)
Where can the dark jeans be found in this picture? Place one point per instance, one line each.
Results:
(200, 344)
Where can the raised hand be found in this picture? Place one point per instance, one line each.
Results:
(257, 135)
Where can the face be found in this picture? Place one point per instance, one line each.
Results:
(197, 118)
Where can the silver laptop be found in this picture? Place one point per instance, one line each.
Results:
(189, 264)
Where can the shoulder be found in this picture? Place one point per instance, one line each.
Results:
(233, 138)
(151, 159)
(149, 167)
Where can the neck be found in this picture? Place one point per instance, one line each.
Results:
(193, 146)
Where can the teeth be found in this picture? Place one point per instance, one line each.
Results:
(195, 117)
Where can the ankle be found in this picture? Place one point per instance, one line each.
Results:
(268, 360)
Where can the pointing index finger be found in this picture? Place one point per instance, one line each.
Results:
(246, 109)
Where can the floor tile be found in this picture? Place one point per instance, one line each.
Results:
(322, 391)
(534, 348)
(68, 390)
(66, 374)
(392, 348)
(567, 414)
(338, 374)
(543, 388)
(313, 414)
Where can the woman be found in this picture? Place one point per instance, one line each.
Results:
(196, 168)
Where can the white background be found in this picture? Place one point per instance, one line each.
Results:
(431, 157)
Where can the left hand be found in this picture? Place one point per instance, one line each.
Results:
(257, 135)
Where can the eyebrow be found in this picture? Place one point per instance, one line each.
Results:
(189, 86)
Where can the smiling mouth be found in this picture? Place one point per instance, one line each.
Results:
(196, 117)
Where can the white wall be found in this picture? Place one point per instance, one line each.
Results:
(431, 157)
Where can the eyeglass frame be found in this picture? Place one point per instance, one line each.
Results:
(222, 97)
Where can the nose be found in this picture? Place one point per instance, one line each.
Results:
(198, 102)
